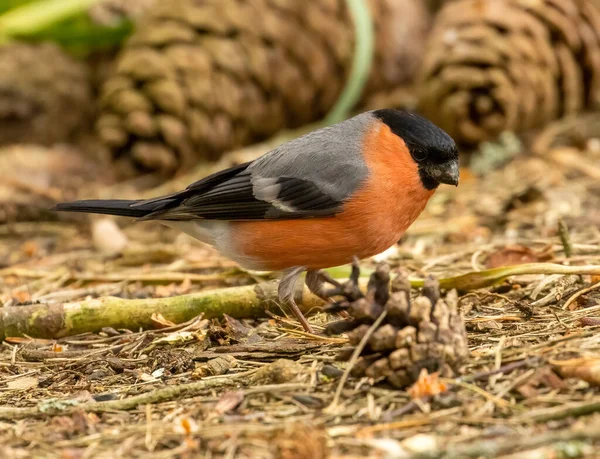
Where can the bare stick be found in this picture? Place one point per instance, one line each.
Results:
(355, 355)
(66, 319)
(570, 301)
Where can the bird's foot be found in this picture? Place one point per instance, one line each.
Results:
(316, 281)
(349, 290)
(286, 292)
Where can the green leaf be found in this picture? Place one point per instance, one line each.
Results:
(33, 17)
(65, 22)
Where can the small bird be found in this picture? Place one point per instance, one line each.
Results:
(342, 192)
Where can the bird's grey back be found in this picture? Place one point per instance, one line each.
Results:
(330, 157)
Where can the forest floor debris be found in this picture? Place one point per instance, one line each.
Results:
(261, 387)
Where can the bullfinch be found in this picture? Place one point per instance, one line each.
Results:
(344, 191)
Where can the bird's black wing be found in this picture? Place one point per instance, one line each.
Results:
(311, 176)
(235, 194)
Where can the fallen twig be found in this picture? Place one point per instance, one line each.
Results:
(66, 319)
(570, 301)
(509, 444)
(490, 277)
(150, 278)
(156, 396)
(561, 412)
(505, 369)
(363, 342)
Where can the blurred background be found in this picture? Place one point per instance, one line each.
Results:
(131, 98)
(134, 99)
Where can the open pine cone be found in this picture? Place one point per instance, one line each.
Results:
(425, 332)
(510, 65)
(45, 95)
(111, 12)
(200, 77)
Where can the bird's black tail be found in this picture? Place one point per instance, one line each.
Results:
(121, 207)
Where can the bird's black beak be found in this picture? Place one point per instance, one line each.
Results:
(447, 172)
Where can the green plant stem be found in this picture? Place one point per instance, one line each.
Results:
(481, 279)
(491, 277)
(364, 36)
(34, 17)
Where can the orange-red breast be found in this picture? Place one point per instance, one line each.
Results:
(351, 189)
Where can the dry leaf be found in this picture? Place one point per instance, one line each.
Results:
(586, 369)
(229, 401)
(589, 321)
(160, 322)
(84, 422)
(542, 378)
(181, 337)
(527, 391)
(73, 453)
(30, 248)
(302, 441)
(143, 376)
(237, 331)
(24, 383)
(488, 325)
(185, 425)
(163, 291)
(22, 296)
(427, 385)
(515, 255)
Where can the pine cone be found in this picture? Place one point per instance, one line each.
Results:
(510, 65)
(111, 12)
(436, 5)
(45, 95)
(198, 78)
(425, 332)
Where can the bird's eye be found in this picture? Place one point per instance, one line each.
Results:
(419, 155)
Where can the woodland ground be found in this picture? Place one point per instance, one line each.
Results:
(530, 388)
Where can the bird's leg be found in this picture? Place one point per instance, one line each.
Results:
(286, 292)
(316, 280)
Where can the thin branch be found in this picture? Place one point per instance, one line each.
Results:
(581, 292)
(156, 396)
(355, 355)
(561, 412)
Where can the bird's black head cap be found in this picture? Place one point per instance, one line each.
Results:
(430, 146)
